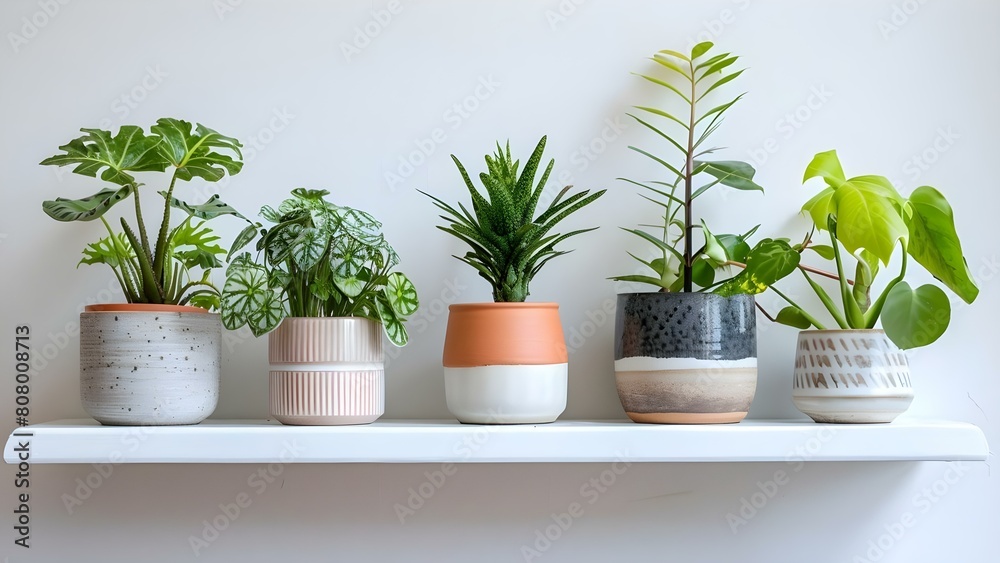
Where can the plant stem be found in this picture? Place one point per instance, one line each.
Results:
(808, 317)
(688, 179)
(138, 217)
(873, 313)
(161, 240)
(827, 302)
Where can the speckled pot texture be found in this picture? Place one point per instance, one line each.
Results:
(685, 358)
(142, 367)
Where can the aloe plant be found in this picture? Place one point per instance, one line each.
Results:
(163, 269)
(681, 266)
(318, 260)
(510, 244)
(866, 220)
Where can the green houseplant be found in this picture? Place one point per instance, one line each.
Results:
(154, 359)
(866, 221)
(686, 353)
(506, 362)
(325, 287)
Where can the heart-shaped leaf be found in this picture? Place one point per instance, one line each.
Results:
(401, 294)
(914, 318)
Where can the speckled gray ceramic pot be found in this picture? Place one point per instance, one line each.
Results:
(146, 367)
(685, 358)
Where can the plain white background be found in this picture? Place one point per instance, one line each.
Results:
(905, 89)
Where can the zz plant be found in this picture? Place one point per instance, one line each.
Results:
(162, 269)
(509, 242)
(866, 220)
(681, 265)
(318, 260)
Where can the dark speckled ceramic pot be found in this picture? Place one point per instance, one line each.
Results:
(685, 358)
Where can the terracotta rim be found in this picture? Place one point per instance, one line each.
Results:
(142, 308)
(492, 334)
(504, 305)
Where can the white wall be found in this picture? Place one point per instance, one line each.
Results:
(890, 93)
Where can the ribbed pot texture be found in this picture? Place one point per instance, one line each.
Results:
(850, 376)
(326, 371)
(685, 358)
(149, 365)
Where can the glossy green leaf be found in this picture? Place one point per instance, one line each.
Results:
(732, 173)
(190, 150)
(768, 262)
(308, 247)
(195, 245)
(914, 318)
(391, 323)
(401, 294)
(794, 317)
(825, 165)
(700, 49)
(824, 250)
(88, 208)
(130, 150)
(820, 207)
(211, 209)
(934, 242)
(249, 299)
(867, 219)
(114, 253)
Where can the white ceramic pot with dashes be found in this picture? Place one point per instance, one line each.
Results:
(326, 371)
(850, 376)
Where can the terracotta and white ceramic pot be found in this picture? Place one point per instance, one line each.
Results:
(505, 363)
(149, 364)
(685, 358)
(326, 371)
(856, 376)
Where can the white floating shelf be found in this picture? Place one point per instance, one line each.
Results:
(437, 441)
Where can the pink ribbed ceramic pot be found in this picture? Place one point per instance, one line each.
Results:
(326, 371)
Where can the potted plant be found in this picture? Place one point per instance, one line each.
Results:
(324, 285)
(856, 372)
(156, 358)
(687, 353)
(506, 362)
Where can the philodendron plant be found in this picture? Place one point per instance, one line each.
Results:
(866, 220)
(681, 265)
(160, 270)
(510, 244)
(318, 260)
